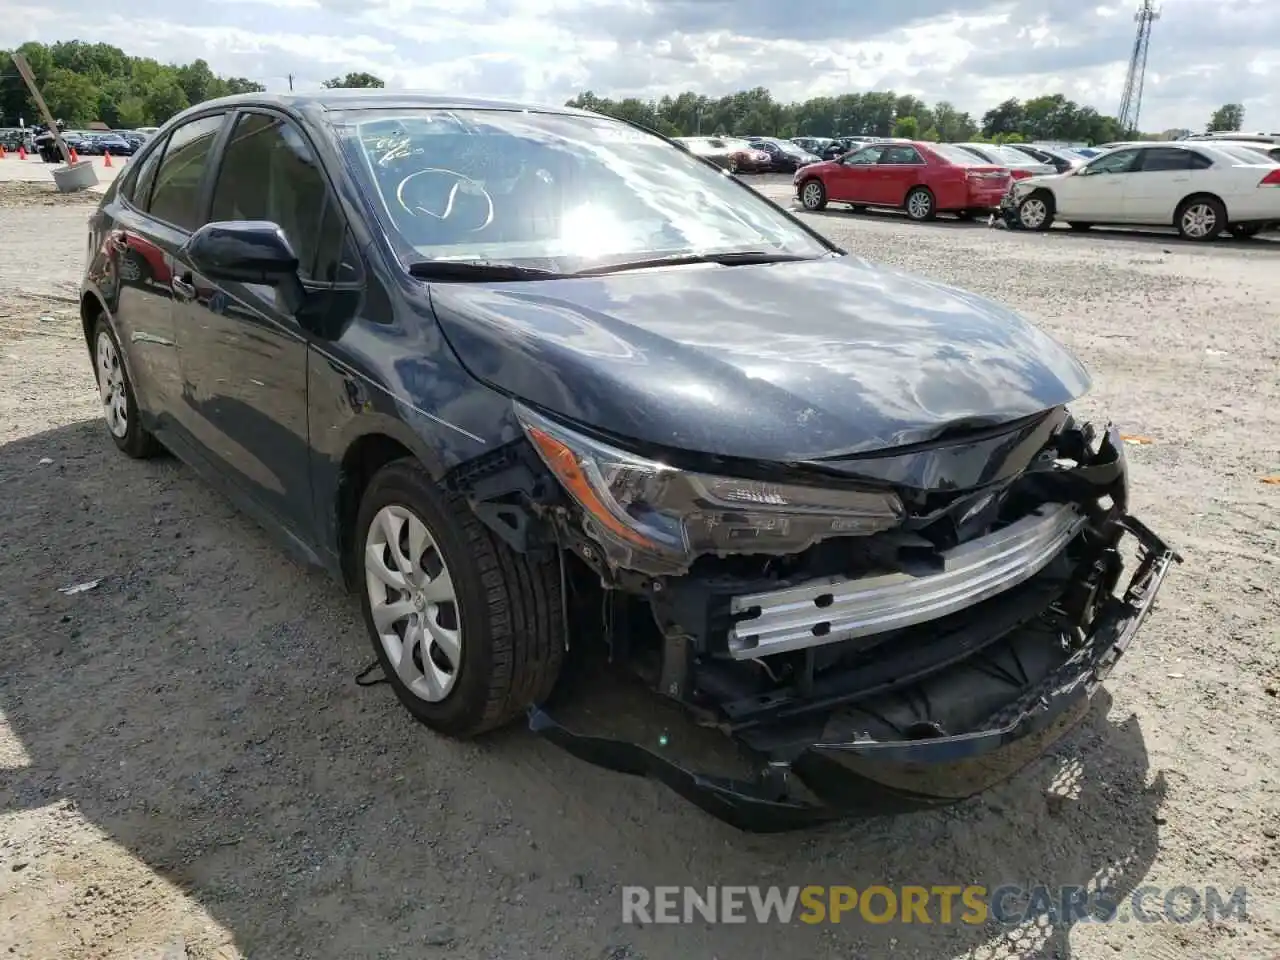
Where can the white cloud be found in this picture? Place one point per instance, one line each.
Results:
(974, 53)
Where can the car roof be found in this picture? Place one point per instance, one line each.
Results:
(380, 99)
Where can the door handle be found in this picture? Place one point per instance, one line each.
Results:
(183, 288)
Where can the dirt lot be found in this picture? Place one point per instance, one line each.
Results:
(188, 770)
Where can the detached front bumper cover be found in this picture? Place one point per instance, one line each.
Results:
(863, 777)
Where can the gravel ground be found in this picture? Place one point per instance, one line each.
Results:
(188, 770)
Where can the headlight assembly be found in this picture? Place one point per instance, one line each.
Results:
(638, 508)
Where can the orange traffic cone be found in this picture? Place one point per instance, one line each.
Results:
(2, 154)
(74, 157)
(22, 152)
(106, 156)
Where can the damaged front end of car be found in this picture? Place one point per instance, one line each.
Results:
(892, 630)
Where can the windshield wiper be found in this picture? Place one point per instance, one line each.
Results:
(733, 259)
(465, 271)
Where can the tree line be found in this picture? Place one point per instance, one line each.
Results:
(878, 114)
(83, 82)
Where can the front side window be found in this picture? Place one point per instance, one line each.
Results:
(1119, 162)
(901, 155)
(269, 172)
(864, 157)
(175, 198)
(528, 188)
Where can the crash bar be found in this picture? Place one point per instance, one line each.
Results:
(834, 609)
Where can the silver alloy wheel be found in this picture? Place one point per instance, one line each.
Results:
(919, 205)
(115, 399)
(1198, 220)
(1033, 212)
(413, 602)
(811, 196)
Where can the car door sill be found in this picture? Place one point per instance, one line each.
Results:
(298, 548)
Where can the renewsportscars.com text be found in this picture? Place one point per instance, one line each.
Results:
(938, 904)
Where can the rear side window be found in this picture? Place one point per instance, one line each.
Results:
(1157, 159)
(139, 190)
(269, 172)
(176, 196)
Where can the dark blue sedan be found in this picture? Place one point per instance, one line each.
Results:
(536, 384)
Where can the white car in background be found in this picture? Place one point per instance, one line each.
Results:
(1200, 188)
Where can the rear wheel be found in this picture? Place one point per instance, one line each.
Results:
(115, 391)
(813, 195)
(1036, 211)
(1201, 218)
(468, 632)
(920, 204)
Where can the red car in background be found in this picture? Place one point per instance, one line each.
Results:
(922, 178)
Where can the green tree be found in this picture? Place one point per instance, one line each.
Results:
(84, 82)
(353, 80)
(1004, 118)
(907, 127)
(1229, 116)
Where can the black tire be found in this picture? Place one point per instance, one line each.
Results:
(920, 204)
(813, 195)
(1245, 231)
(136, 441)
(1200, 218)
(509, 608)
(1080, 227)
(1035, 212)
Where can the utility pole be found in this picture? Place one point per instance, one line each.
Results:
(1131, 99)
(291, 83)
(24, 68)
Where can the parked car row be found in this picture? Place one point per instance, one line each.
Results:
(749, 154)
(1201, 188)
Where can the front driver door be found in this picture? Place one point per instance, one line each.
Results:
(899, 170)
(1096, 192)
(243, 353)
(853, 180)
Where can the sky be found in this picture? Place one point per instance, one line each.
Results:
(974, 53)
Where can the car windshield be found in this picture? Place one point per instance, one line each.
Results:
(786, 146)
(555, 191)
(956, 155)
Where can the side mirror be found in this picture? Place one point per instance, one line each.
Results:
(242, 251)
(248, 251)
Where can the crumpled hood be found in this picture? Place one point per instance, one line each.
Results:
(786, 362)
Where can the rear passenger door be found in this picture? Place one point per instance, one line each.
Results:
(244, 353)
(159, 206)
(1163, 177)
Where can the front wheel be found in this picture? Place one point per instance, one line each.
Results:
(920, 204)
(468, 632)
(813, 195)
(1201, 218)
(119, 403)
(1035, 212)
